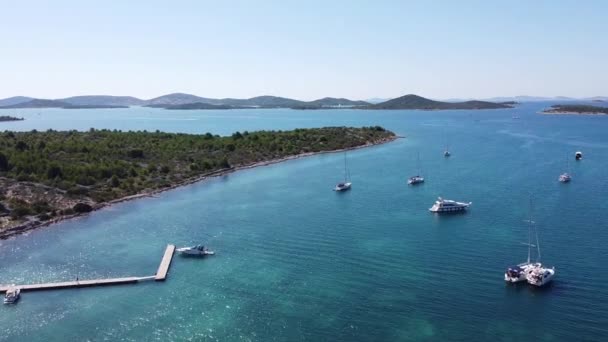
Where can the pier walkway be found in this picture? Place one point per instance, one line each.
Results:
(160, 275)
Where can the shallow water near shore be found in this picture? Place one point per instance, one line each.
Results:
(297, 261)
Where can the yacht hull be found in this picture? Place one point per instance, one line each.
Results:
(540, 277)
(343, 187)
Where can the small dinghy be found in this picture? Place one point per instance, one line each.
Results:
(12, 295)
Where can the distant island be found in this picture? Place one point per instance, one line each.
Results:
(575, 109)
(181, 101)
(49, 176)
(10, 118)
(418, 102)
(198, 105)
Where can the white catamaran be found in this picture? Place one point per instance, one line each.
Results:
(343, 186)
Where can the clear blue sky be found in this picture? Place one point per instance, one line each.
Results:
(304, 49)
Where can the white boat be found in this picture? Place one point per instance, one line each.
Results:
(515, 274)
(539, 275)
(12, 295)
(417, 179)
(578, 155)
(343, 186)
(195, 250)
(446, 206)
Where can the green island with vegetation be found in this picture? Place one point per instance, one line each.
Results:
(52, 175)
(412, 101)
(10, 118)
(576, 109)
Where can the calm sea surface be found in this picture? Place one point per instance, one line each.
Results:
(297, 261)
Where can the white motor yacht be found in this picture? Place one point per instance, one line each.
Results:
(444, 206)
(12, 295)
(195, 250)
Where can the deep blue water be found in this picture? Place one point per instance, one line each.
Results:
(297, 261)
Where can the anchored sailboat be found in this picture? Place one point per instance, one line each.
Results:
(515, 274)
(447, 153)
(417, 179)
(539, 275)
(566, 177)
(343, 186)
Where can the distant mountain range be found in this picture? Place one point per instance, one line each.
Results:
(173, 101)
(41, 103)
(189, 101)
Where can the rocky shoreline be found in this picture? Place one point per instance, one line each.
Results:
(34, 224)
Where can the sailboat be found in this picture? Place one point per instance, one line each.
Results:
(343, 186)
(539, 275)
(515, 274)
(417, 179)
(565, 177)
(447, 153)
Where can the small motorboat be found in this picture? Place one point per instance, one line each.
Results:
(12, 295)
(446, 153)
(415, 180)
(195, 250)
(578, 155)
(565, 177)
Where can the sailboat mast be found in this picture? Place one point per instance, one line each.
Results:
(530, 230)
(345, 169)
(537, 244)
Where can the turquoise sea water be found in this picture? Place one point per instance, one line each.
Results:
(297, 261)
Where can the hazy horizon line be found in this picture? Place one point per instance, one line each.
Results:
(464, 98)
